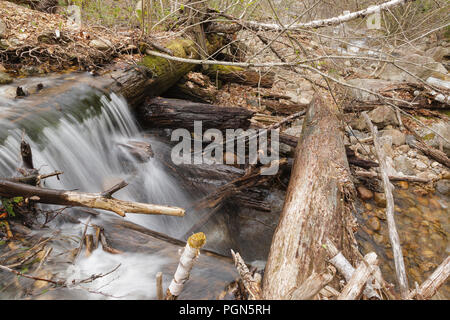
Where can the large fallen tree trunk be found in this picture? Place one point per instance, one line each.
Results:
(102, 200)
(154, 75)
(316, 205)
(174, 113)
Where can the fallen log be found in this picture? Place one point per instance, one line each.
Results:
(102, 200)
(366, 174)
(316, 206)
(174, 113)
(241, 76)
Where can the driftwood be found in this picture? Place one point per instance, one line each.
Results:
(434, 282)
(312, 286)
(341, 263)
(174, 113)
(102, 200)
(393, 234)
(367, 174)
(360, 276)
(315, 207)
(251, 282)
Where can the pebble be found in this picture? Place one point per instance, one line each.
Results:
(380, 199)
(404, 148)
(403, 184)
(365, 193)
(374, 224)
(420, 165)
(423, 201)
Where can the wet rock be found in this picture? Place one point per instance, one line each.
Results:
(443, 187)
(403, 184)
(421, 66)
(423, 201)
(398, 137)
(365, 193)
(404, 165)
(374, 224)
(380, 199)
(5, 78)
(368, 206)
(434, 204)
(101, 45)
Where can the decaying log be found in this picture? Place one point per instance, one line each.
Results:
(103, 200)
(174, 113)
(194, 86)
(154, 75)
(434, 282)
(187, 259)
(315, 207)
(251, 282)
(359, 278)
(240, 75)
(393, 234)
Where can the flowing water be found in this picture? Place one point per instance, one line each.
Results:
(85, 141)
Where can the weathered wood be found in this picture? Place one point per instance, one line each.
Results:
(360, 276)
(10, 189)
(367, 174)
(251, 282)
(316, 205)
(434, 282)
(174, 113)
(194, 86)
(312, 286)
(393, 234)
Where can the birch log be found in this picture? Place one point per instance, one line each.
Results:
(393, 234)
(316, 205)
(188, 257)
(325, 22)
(359, 278)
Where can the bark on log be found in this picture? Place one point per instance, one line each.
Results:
(154, 75)
(241, 75)
(174, 113)
(316, 205)
(103, 200)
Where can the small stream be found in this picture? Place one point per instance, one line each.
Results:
(82, 133)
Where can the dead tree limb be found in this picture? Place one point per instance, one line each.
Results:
(10, 189)
(316, 205)
(367, 174)
(251, 283)
(360, 276)
(434, 282)
(312, 286)
(393, 234)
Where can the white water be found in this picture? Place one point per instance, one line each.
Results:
(91, 159)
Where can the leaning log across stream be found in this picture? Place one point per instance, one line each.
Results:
(316, 205)
(102, 200)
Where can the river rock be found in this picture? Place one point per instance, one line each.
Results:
(368, 84)
(404, 165)
(5, 78)
(442, 128)
(404, 148)
(365, 193)
(439, 53)
(398, 137)
(420, 66)
(420, 165)
(374, 223)
(380, 199)
(383, 116)
(443, 187)
(101, 45)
